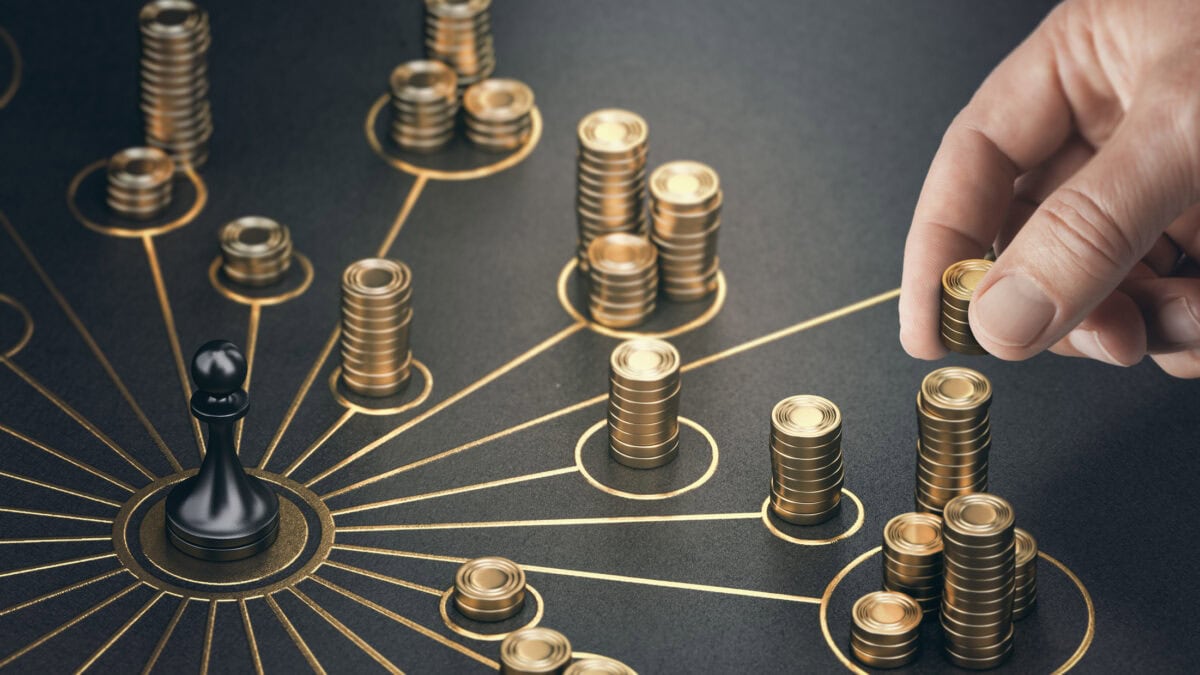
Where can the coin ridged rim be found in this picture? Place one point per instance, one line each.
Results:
(1027, 548)
(151, 11)
(161, 168)
(475, 100)
(954, 515)
(708, 183)
(623, 368)
(598, 665)
(894, 534)
(353, 278)
(601, 259)
(956, 278)
(830, 417)
(472, 592)
(457, 10)
(633, 141)
(558, 649)
(443, 86)
(909, 621)
(935, 399)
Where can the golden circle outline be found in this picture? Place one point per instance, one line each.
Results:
(650, 496)
(15, 83)
(575, 656)
(127, 233)
(27, 333)
(395, 410)
(850, 532)
(214, 277)
(509, 161)
(489, 637)
(1088, 636)
(130, 564)
(709, 314)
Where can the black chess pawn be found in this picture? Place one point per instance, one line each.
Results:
(221, 513)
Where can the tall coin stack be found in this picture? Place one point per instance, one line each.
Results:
(459, 33)
(424, 105)
(643, 403)
(174, 76)
(255, 251)
(979, 574)
(499, 114)
(140, 181)
(958, 285)
(376, 317)
(1025, 595)
(623, 279)
(885, 629)
(534, 651)
(610, 178)
(912, 558)
(806, 459)
(685, 209)
(954, 436)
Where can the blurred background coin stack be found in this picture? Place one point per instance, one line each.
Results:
(489, 589)
(912, 558)
(1025, 595)
(255, 251)
(499, 114)
(598, 665)
(958, 285)
(424, 98)
(979, 575)
(623, 279)
(534, 651)
(610, 177)
(459, 34)
(807, 473)
(140, 182)
(174, 77)
(954, 436)
(685, 212)
(885, 629)
(376, 317)
(643, 403)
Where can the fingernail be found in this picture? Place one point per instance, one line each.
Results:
(1178, 323)
(1088, 343)
(1013, 312)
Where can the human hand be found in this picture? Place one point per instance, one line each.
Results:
(1079, 159)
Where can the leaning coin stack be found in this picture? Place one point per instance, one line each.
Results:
(623, 279)
(958, 285)
(489, 589)
(912, 558)
(376, 317)
(174, 77)
(459, 33)
(685, 212)
(886, 628)
(643, 403)
(979, 574)
(598, 665)
(1025, 596)
(424, 105)
(806, 459)
(610, 177)
(255, 251)
(534, 651)
(499, 114)
(954, 436)
(140, 182)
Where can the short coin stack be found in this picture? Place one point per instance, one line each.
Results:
(807, 473)
(424, 98)
(643, 403)
(912, 558)
(598, 665)
(489, 589)
(459, 33)
(174, 77)
(534, 651)
(499, 114)
(140, 182)
(685, 210)
(623, 279)
(955, 436)
(255, 251)
(886, 627)
(610, 187)
(979, 574)
(376, 317)
(958, 285)
(1025, 595)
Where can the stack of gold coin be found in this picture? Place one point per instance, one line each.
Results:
(643, 403)
(489, 589)
(806, 459)
(912, 558)
(174, 77)
(598, 665)
(1025, 595)
(958, 285)
(979, 577)
(623, 276)
(424, 105)
(534, 651)
(955, 436)
(255, 251)
(610, 178)
(376, 317)
(685, 209)
(459, 33)
(886, 627)
(498, 114)
(139, 182)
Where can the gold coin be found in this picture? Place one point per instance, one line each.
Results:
(644, 363)
(141, 168)
(531, 651)
(490, 583)
(613, 133)
(886, 613)
(960, 279)
(498, 100)
(424, 81)
(955, 393)
(598, 665)
(806, 417)
(685, 183)
(457, 9)
(914, 536)
(621, 254)
(1027, 549)
(978, 516)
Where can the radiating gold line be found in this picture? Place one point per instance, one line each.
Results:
(90, 341)
(60, 563)
(53, 514)
(333, 429)
(554, 522)
(166, 636)
(385, 578)
(52, 634)
(455, 398)
(120, 631)
(249, 628)
(409, 623)
(61, 591)
(15, 83)
(454, 491)
(344, 630)
(295, 635)
(54, 540)
(58, 454)
(251, 348)
(209, 626)
(77, 416)
(164, 303)
(409, 202)
(59, 488)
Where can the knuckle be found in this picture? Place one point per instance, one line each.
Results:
(1089, 234)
